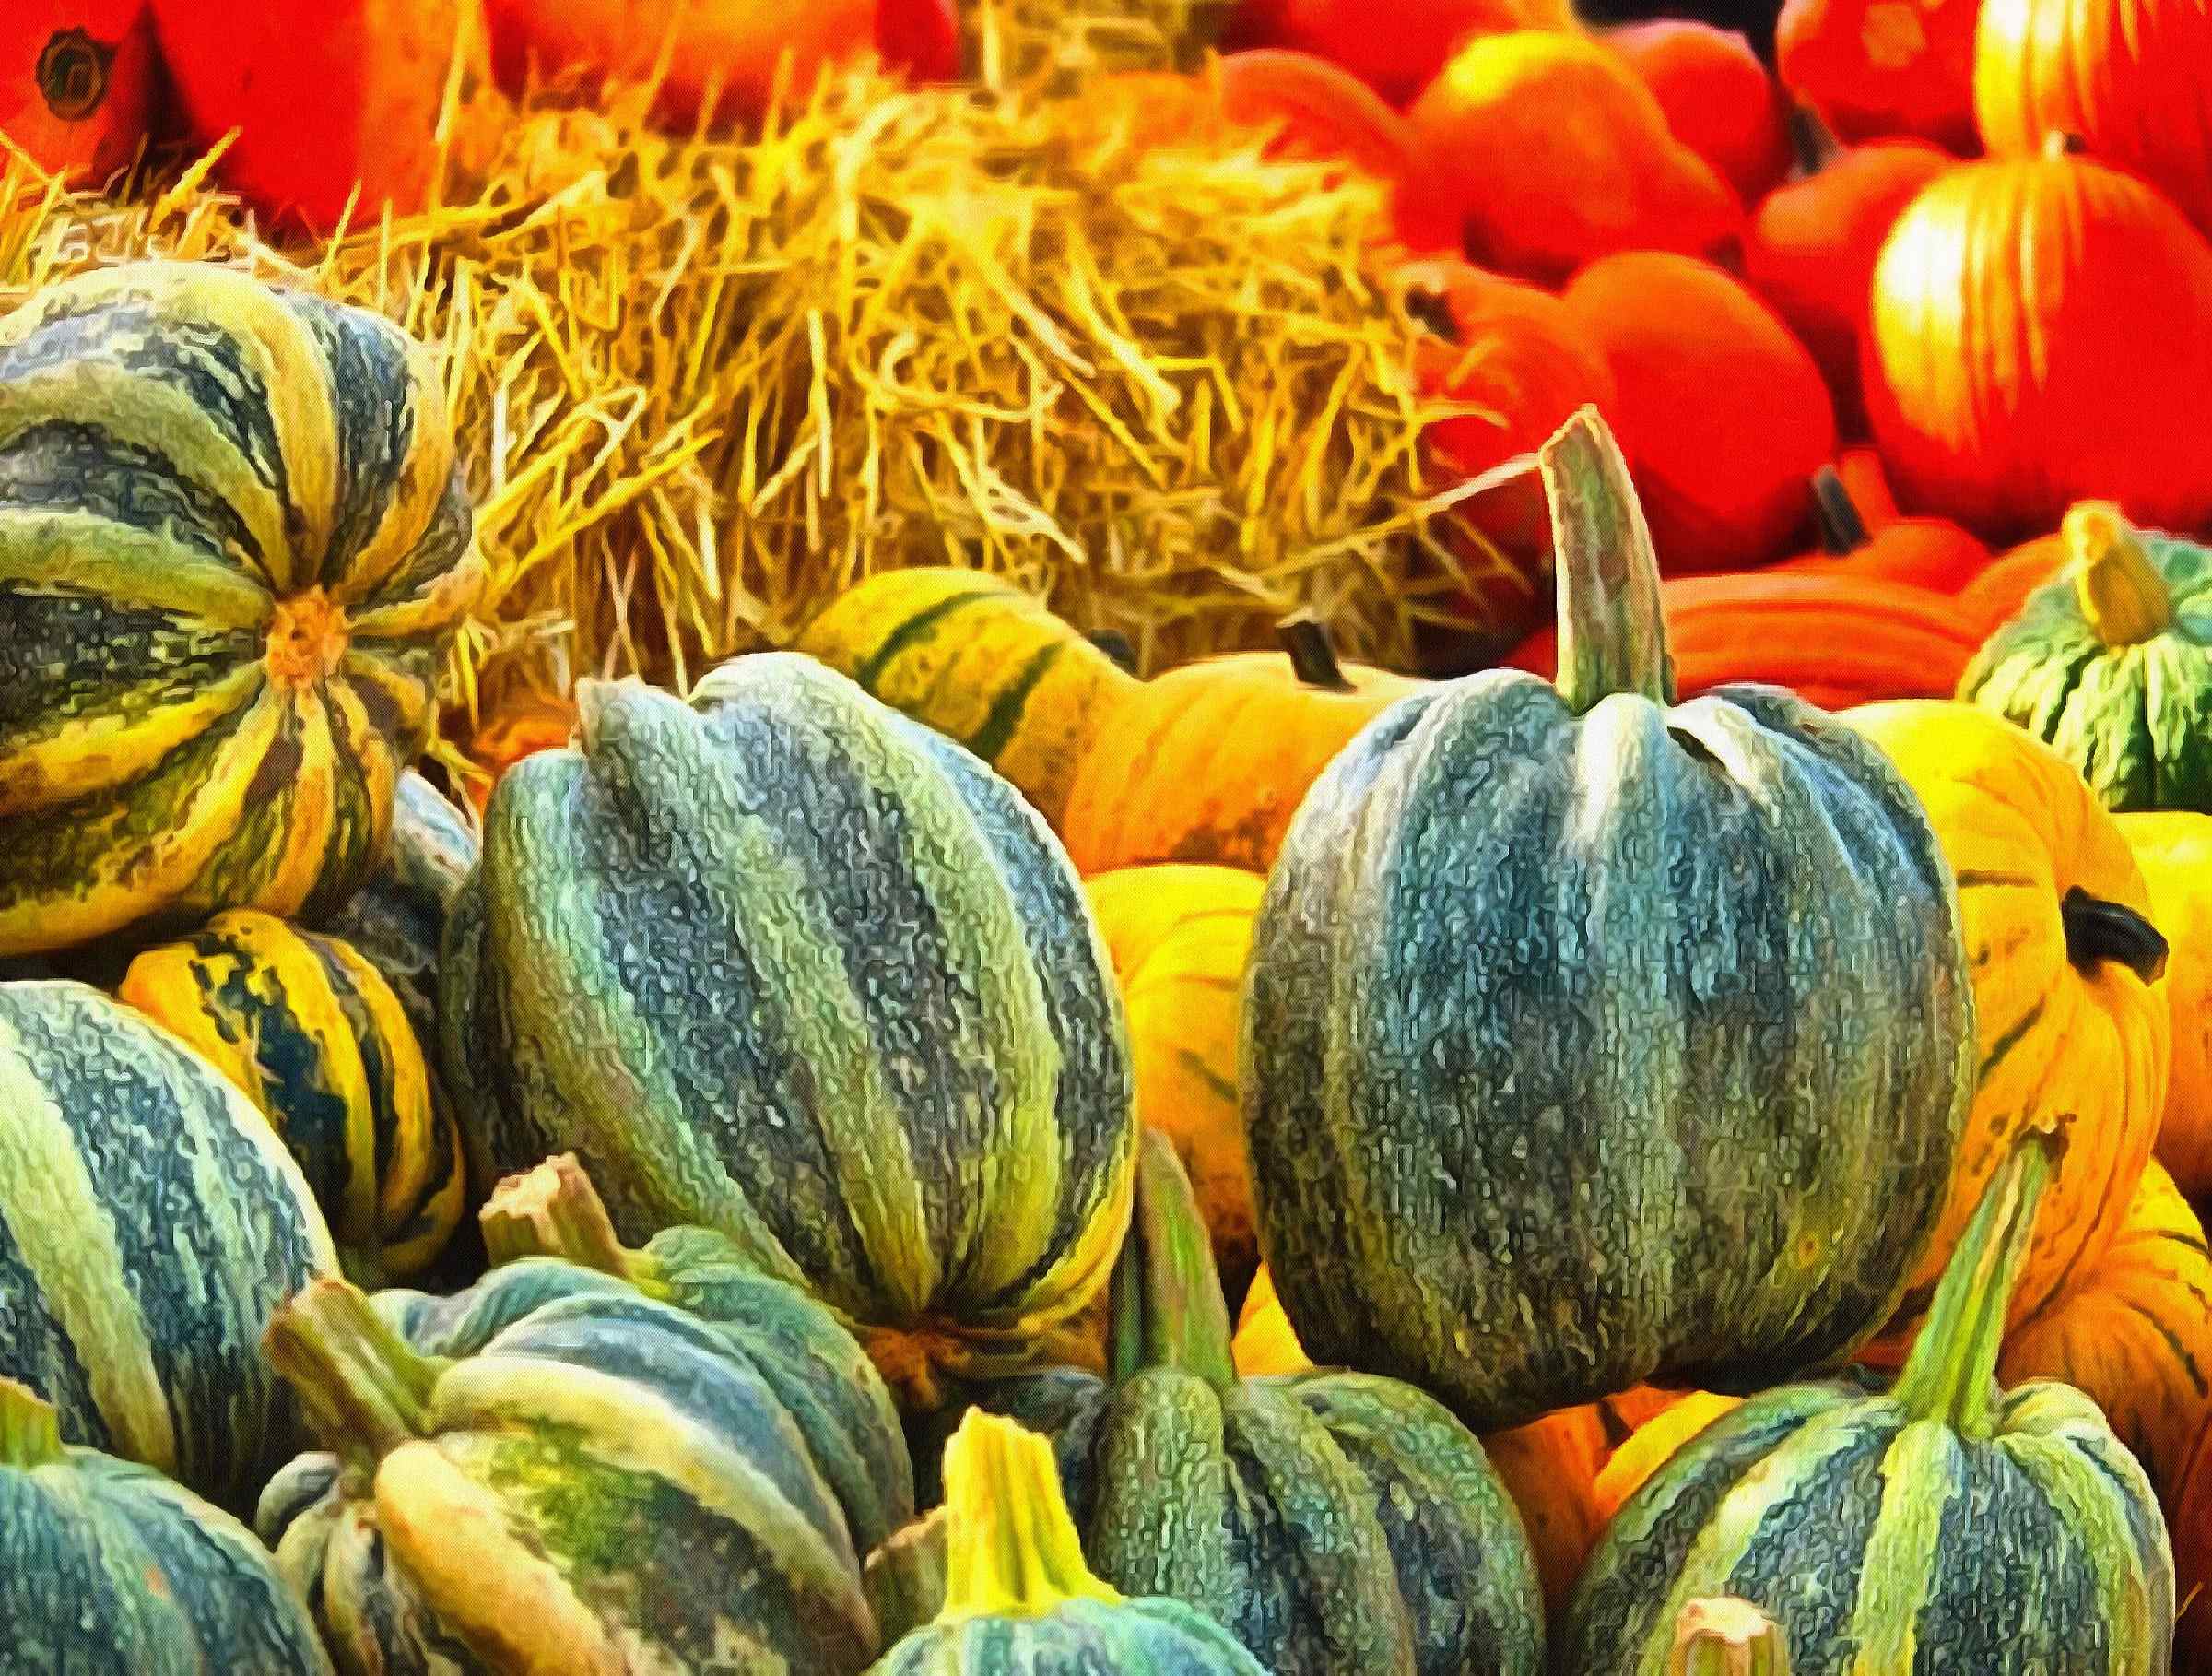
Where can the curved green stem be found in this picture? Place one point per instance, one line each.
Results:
(2101, 930)
(2116, 583)
(365, 1389)
(1726, 1636)
(1010, 1547)
(1312, 658)
(1612, 633)
(30, 1432)
(1169, 1309)
(905, 1577)
(1951, 1375)
(552, 1211)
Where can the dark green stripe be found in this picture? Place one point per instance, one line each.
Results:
(1220, 1087)
(1832, 1510)
(65, 657)
(2004, 1045)
(1005, 715)
(437, 552)
(38, 1352)
(370, 397)
(916, 629)
(76, 466)
(377, 1069)
(1974, 879)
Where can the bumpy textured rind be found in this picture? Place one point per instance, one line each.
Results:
(398, 921)
(908, 1083)
(1079, 1638)
(150, 1222)
(233, 540)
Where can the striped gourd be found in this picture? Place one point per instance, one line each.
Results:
(1547, 973)
(233, 542)
(1018, 1598)
(980, 661)
(784, 964)
(397, 920)
(319, 1041)
(555, 1473)
(150, 1222)
(1944, 1525)
(109, 1565)
(1333, 1521)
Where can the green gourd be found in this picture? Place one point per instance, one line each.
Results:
(397, 919)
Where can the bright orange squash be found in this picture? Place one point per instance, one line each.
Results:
(1927, 552)
(76, 82)
(1995, 596)
(1718, 98)
(1875, 68)
(1397, 55)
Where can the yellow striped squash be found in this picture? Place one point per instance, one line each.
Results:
(233, 542)
(320, 1041)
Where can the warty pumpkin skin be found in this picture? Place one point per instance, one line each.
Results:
(981, 661)
(2072, 1017)
(150, 1222)
(266, 656)
(320, 1045)
(520, 1490)
(2007, 370)
(2174, 853)
(1333, 1521)
(77, 84)
(1943, 1524)
(2112, 665)
(112, 1566)
(1574, 1016)
(674, 961)
(1177, 936)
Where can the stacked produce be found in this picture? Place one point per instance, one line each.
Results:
(1108, 835)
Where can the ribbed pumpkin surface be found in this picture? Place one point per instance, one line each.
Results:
(789, 967)
(397, 920)
(232, 541)
(2174, 852)
(109, 1565)
(150, 1222)
(319, 1043)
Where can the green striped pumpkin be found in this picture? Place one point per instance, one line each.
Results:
(320, 1045)
(150, 1222)
(109, 1565)
(1548, 979)
(553, 1472)
(1018, 1598)
(398, 918)
(784, 964)
(233, 543)
(1332, 1521)
(1944, 1525)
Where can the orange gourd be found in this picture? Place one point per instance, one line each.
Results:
(1397, 55)
(522, 726)
(1837, 641)
(2174, 850)
(1718, 98)
(324, 94)
(1512, 350)
(2132, 77)
(1867, 484)
(1557, 153)
(1811, 245)
(1994, 597)
(1653, 1445)
(76, 83)
(1721, 413)
(1880, 67)
(2015, 362)
(1927, 552)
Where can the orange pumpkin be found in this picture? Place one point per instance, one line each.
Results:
(1512, 352)
(1837, 641)
(325, 94)
(2132, 77)
(2174, 850)
(1879, 67)
(2189, 1524)
(76, 82)
(1927, 552)
(2013, 363)
(1397, 56)
(1811, 246)
(523, 724)
(1721, 413)
(1557, 153)
(1867, 485)
(1653, 1445)
(1994, 597)
(1718, 98)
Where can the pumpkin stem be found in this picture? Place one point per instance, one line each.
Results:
(1116, 645)
(1612, 635)
(1842, 530)
(2101, 930)
(905, 1577)
(1950, 1374)
(2121, 593)
(1812, 140)
(1312, 658)
(1010, 1547)
(2058, 143)
(365, 1389)
(30, 1432)
(552, 1212)
(1169, 1310)
(1726, 1636)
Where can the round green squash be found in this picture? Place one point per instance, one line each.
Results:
(553, 1472)
(1332, 1521)
(233, 545)
(1943, 1525)
(106, 1565)
(1018, 1598)
(150, 1222)
(2110, 663)
(319, 1041)
(782, 964)
(397, 919)
(1591, 1039)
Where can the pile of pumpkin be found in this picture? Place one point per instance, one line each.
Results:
(775, 1198)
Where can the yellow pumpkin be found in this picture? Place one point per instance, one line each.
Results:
(1177, 936)
(2174, 850)
(1652, 1445)
(2070, 1009)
